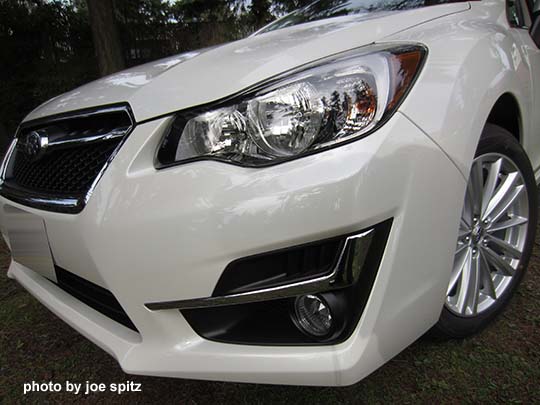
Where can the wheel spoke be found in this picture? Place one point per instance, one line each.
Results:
(475, 186)
(459, 264)
(491, 182)
(474, 290)
(460, 248)
(463, 231)
(487, 281)
(507, 203)
(505, 195)
(516, 220)
(508, 249)
(499, 263)
(467, 215)
(464, 285)
(469, 287)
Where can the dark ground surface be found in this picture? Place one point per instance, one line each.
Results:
(501, 364)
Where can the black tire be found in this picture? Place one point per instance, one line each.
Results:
(496, 140)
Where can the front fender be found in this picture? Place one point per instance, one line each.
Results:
(471, 63)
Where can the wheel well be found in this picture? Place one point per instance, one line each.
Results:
(505, 113)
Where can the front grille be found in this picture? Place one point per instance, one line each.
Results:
(66, 172)
(94, 296)
(56, 163)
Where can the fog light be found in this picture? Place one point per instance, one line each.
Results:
(312, 315)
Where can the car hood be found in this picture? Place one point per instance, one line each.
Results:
(199, 77)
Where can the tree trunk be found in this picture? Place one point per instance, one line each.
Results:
(106, 40)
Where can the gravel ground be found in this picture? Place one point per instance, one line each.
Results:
(501, 364)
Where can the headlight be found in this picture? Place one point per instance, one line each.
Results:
(315, 107)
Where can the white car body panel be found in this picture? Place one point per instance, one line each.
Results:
(169, 234)
(176, 83)
(160, 261)
(471, 64)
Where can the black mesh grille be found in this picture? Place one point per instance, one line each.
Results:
(94, 296)
(68, 171)
(56, 162)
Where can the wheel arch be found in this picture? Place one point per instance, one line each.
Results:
(506, 113)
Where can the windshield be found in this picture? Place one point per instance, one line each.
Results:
(322, 9)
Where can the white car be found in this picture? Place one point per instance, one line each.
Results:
(293, 208)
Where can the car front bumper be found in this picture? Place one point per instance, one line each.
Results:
(151, 236)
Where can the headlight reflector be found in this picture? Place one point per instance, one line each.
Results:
(286, 121)
(313, 108)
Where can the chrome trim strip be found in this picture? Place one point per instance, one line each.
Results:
(6, 159)
(53, 203)
(66, 141)
(69, 204)
(331, 281)
(86, 113)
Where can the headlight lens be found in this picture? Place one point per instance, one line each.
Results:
(311, 109)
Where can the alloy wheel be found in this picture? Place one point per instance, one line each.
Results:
(492, 235)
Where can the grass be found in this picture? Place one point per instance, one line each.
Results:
(501, 364)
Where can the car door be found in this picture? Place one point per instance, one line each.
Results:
(524, 17)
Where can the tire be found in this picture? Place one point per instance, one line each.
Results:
(458, 318)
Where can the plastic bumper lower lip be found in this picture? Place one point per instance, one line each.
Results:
(152, 236)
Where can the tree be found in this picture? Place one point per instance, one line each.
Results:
(45, 49)
(106, 40)
(260, 13)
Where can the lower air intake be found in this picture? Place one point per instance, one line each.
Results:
(94, 296)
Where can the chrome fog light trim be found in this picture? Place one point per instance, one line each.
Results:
(337, 279)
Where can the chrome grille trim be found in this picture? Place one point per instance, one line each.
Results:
(70, 204)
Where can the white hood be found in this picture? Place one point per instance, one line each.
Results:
(194, 78)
